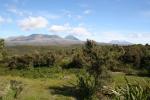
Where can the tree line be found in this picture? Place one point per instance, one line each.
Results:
(117, 58)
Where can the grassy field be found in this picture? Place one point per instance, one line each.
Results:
(38, 89)
(59, 88)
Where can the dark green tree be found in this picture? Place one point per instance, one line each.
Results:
(50, 59)
(145, 62)
(133, 55)
(77, 60)
(95, 74)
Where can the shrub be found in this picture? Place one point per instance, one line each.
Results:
(77, 61)
(95, 74)
(1, 49)
(86, 87)
(35, 60)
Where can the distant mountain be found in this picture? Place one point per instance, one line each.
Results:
(71, 37)
(120, 42)
(33, 37)
(45, 39)
(42, 36)
(42, 39)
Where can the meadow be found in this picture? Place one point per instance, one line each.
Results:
(56, 87)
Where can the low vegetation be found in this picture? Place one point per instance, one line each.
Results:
(85, 72)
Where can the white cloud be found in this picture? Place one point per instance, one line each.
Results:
(131, 37)
(9, 20)
(88, 11)
(33, 23)
(67, 13)
(2, 19)
(79, 17)
(75, 16)
(16, 1)
(114, 35)
(145, 13)
(48, 15)
(84, 5)
(51, 16)
(81, 31)
(5, 20)
(139, 37)
(81, 24)
(15, 11)
(19, 12)
(58, 28)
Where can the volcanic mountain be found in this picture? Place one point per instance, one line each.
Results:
(42, 39)
(120, 42)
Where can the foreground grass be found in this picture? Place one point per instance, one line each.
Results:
(55, 88)
(119, 79)
(38, 89)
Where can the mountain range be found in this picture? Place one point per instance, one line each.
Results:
(120, 42)
(42, 39)
(45, 39)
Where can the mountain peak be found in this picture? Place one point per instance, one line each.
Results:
(42, 39)
(71, 37)
(44, 36)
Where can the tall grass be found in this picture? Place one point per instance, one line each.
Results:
(134, 91)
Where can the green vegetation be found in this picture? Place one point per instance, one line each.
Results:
(82, 72)
(133, 91)
(1, 49)
(58, 88)
(95, 74)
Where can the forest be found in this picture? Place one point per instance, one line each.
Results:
(78, 72)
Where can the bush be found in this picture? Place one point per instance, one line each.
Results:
(77, 61)
(95, 74)
(1, 49)
(28, 61)
(86, 86)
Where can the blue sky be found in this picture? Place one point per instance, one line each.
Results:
(101, 20)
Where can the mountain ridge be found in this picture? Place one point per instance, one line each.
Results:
(46, 39)
(41, 39)
(71, 37)
(120, 42)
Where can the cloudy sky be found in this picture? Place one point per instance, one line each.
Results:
(101, 20)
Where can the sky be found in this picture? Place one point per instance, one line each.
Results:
(100, 20)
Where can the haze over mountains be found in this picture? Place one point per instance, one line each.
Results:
(45, 39)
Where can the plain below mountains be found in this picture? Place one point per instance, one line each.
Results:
(42, 39)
